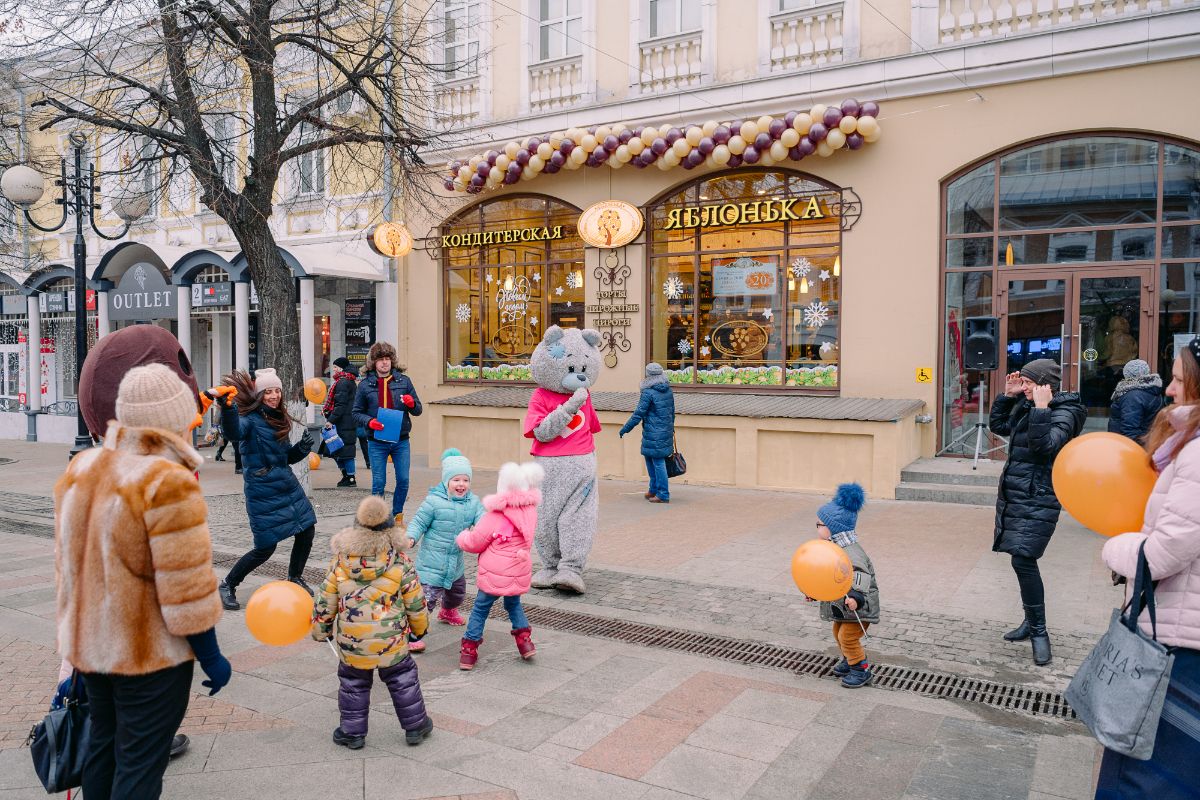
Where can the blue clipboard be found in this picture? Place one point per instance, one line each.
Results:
(393, 420)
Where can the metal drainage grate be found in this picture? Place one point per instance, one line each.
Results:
(1007, 697)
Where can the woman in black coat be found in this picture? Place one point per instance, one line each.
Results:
(339, 414)
(1039, 422)
(1136, 401)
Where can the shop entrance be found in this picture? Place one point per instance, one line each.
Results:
(1091, 321)
(10, 372)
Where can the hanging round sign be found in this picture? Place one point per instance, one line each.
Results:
(391, 239)
(610, 223)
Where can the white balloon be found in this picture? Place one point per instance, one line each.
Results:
(623, 155)
(748, 131)
(636, 146)
(671, 157)
(578, 156)
(502, 161)
(556, 140)
(681, 147)
(790, 137)
(649, 134)
(836, 139)
(818, 112)
(737, 145)
(528, 174)
(474, 162)
(824, 150)
(711, 162)
(615, 163)
(544, 150)
(710, 127)
(589, 143)
(602, 133)
(536, 164)
(663, 163)
(802, 124)
(764, 123)
(694, 135)
(721, 154)
(874, 135)
(495, 174)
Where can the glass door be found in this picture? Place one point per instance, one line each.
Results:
(10, 374)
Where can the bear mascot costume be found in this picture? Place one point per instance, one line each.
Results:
(562, 424)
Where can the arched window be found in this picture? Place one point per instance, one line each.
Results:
(745, 281)
(1087, 249)
(510, 267)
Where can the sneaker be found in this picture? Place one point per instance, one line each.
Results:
(296, 579)
(228, 597)
(841, 669)
(413, 738)
(179, 745)
(347, 481)
(859, 676)
(450, 616)
(346, 740)
(469, 654)
(416, 645)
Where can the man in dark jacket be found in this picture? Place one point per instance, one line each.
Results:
(1039, 422)
(339, 414)
(384, 386)
(1136, 401)
(656, 411)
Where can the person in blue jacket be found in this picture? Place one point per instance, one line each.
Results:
(1136, 401)
(275, 501)
(386, 386)
(656, 411)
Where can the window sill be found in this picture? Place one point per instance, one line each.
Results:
(671, 38)
(561, 61)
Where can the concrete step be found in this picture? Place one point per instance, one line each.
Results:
(953, 471)
(947, 493)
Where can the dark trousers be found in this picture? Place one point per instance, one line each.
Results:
(450, 598)
(1029, 577)
(237, 452)
(354, 695)
(134, 719)
(259, 555)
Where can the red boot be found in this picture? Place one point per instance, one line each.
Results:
(469, 653)
(523, 638)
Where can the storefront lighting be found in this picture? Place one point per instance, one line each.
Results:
(508, 283)
(1008, 255)
(837, 266)
(804, 285)
(791, 284)
(579, 278)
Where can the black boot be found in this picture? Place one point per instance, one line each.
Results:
(1038, 636)
(296, 579)
(1019, 633)
(228, 597)
(346, 481)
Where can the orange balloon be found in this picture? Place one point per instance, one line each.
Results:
(279, 613)
(822, 570)
(315, 390)
(314, 461)
(1104, 480)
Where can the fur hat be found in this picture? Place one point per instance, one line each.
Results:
(454, 463)
(154, 397)
(266, 378)
(380, 350)
(1043, 372)
(375, 514)
(1136, 369)
(520, 477)
(841, 513)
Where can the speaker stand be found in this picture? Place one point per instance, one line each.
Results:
(979, 430)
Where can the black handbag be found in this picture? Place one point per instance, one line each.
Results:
(676, 463)
(59, 743)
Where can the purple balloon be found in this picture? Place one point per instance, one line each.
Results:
(510, 178)
(514, 169)
(832, 117)
(600, 154)
(751, 155)
(850, 108)
(706, 146)
(790, 118)
(611, 143)
(648, 157)
(624, 136)
(806, 147)
(534, 144)
(522, 157)
(674, 135)
(455, 166)
(734, 162)
(695, 158)
(449, 185)
(566, 147)
(550, 169)
(592, 130)
(855, 140)
(557, 159)
(817, 133)
(483, 169)
(869, 109)
(795, 154)
(477, 181)
(688, 165)
(491, 157)
(735, 127)
(762, 142)
(591, 160)
(659, 146)
(638, 163)
(778, 126)
(636, 133)
(721, 135)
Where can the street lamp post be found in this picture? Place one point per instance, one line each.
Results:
(23, 186)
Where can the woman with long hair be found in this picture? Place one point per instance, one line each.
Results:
(1171, 538)
(257, 420)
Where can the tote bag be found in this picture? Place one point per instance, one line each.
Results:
(676, 464)
(332, 441)
(1120, 687)
(59, 743)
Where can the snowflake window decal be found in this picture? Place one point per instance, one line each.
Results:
(488, 277)
(705, 350)
(462, 313)
(673, 288)
(801, 267)
(533, 321)
(824, 275)
(537, 277)
(684, 347)
(768, 313)
(827, 347)
(558, 290)
(816, 314)
(572, 280)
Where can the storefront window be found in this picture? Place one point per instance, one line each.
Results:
(511, 267)
(968, 294)
(745, 282)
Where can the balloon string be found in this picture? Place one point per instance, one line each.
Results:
(860, 622)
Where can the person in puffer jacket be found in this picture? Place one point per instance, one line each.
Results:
(1171, 538)
(449, 509)
(368, 604)
(656, 412)
(503, 539)
(1136, 401)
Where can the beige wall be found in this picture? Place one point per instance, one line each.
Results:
(885, 29)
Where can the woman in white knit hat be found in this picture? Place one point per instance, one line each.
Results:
(137, 596)
(275, 501)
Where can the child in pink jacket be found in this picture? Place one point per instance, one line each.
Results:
(503, 538)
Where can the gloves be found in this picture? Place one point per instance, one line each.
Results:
(222, 394)
(408, 400)
(306, 442)
(215, 665)
(375, 425)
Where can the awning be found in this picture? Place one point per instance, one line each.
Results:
(352, 258)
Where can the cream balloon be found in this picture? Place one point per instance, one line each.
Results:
(536, 163)
(721, 155)
(619, 128)
(848, 124)
(749, 130)
(874, 137)
(615, 163)
(544, 150)
(817, 112)
(623, 155)
(710, 127)
(765, 159)
(502, 161)
(778, 151)
(511, 149)
(868, 127)
(588, 143)
(711, 162)
(672, 157)
(556, 140)
(824, 150)
(460, 184)
(649, 134)
(681, 147)
(578, 156)
(836, 139)
(528, 174)
(663, 163)
(572, 163)
(465, 172)
(802, 124)
(789, 138)
(574, 134)
(737, 145)
(764, 123)
(495, 174)
(602, 133)
(636, 146)
(694, 135)
(474, 162)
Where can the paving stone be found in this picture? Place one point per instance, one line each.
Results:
(704, 773)
(401, 778)
(976, 760)
(871, 769)
(525, 729)
(802, 764)
(774, 709)
(742, 737)
(587, 730)
(901, 724)
(1065, 766)
(300, 781)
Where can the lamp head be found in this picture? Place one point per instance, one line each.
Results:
(22, 185)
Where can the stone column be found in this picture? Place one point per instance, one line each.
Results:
(308, 323)
(33, 361)
(241, 325)
(103, 327)
(183, 316)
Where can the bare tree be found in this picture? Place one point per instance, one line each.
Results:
(205, 89)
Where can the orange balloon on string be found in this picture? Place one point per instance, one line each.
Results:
(822, 570)
(1104, 480)
(314, 461)
(279, 613)
(314, 390)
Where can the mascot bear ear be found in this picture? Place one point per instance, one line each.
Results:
(552, 335)
(591, 336)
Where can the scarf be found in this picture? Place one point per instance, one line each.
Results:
(1168, 449)
(1153, 381)
(844, 539)
(327, 409)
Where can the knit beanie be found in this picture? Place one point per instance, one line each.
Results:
(342, 363)
(1043, 372)
(454, 463)
(841, 513)
(1136, 369)
(653, 369)
(153, 396)
(266, 378)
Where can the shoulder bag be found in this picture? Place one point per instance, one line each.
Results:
(676, 464)
(1120, 687)
(59, 743)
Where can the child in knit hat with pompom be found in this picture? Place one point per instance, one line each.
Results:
(854, 613)
(448, 510)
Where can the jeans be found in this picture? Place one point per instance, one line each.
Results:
(259, 555)
(346, 465)
(1029, 577)
(656, 468)
(134, 719)
(379, 452)
(483, 604)
(450, 598)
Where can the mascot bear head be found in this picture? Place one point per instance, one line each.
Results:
(567, 359)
